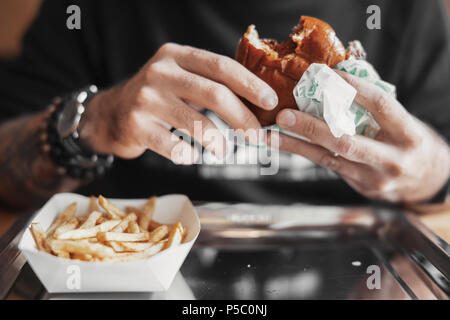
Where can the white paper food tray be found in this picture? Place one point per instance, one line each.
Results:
(153, 274)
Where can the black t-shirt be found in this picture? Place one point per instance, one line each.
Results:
(411, 50)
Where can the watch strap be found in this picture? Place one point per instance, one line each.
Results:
(72, 157)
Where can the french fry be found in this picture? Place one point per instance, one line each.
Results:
(133, 227)
(101, 220)
(38, 235)
(91, 220)
(89, 233)
(125, 257)
(129, 246)
(69, 225)
(135, 246)
(159, 233)
(135, 210)
(82, 256)
(112, 211)
(117, 247)
(184, 234)
(175, 236)
(147, 213)
(124, 223)
(153, 225)
(116, 236)
(93, 204)
(81, 219)
(82, 247)
(67, 214)
(63, 254)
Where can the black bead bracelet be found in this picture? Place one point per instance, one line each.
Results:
(69, 154)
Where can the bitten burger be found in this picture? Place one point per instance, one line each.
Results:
(282, 65)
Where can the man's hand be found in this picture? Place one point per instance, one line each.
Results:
(137, 115)
(406, 162)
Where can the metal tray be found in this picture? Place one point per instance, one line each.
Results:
(248, 251)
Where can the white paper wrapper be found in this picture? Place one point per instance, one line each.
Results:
(321, 92)
(153, 274)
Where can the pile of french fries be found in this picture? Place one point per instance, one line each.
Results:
(107, 233)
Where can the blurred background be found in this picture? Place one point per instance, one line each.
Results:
(16, 16)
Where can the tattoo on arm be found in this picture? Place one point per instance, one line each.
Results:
(28, 175)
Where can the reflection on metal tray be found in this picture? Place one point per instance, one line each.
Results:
(250, 251)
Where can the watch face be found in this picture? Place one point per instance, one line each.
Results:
(69, 118)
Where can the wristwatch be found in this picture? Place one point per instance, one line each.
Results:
(63, 139)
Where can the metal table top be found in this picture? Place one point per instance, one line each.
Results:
(248, 251)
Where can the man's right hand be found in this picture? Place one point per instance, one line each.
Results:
(137, 115)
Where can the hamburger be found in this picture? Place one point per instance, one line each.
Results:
(282, 65)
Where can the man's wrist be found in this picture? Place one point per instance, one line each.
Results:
(89, 128)
(65, 146)
(93, 127)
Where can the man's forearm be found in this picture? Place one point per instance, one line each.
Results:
(28, 175)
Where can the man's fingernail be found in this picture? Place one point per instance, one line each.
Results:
(287, 118)
(269, 99)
